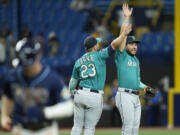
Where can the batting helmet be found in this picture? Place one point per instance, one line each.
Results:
(27, 51)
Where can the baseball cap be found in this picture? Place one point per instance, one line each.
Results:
(27, 51)
(132, 39)
(90, 41)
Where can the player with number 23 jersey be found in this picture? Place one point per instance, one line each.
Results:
(91, 69)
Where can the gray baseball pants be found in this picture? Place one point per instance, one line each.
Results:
(129, 107)
(87, 111)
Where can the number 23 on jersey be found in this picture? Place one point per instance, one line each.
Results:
(88, 70)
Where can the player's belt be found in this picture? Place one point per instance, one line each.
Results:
(136, 92)
(90, 90)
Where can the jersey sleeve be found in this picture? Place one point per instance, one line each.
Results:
(104, 53)
(124, 52)
(7, 90)
(6, 86)
(58, 86)
(141, 85)
(119, 53)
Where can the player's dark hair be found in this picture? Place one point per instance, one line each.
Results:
(89, 50)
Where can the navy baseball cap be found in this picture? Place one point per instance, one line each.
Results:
(27, 51)
(90, 41)
(132, 39)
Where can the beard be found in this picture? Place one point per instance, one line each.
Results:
(130, 52)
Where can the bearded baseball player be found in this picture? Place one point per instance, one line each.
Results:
(128, 72)
(34, 95)
(90, 70)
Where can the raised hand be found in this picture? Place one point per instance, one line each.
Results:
(126, 10)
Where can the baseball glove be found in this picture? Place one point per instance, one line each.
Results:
(150, 92)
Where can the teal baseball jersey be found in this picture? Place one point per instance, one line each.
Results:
(128, 70)
(90, 69)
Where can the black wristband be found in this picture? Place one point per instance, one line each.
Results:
(110, 50)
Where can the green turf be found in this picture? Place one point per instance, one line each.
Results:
(142, 132)
(118, 132)
(160, 132)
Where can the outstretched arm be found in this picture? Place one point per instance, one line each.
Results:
(127, 14)
(7, 108)
(126, 28)
(116, 43)
(59, 111)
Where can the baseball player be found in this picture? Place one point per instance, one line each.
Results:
(128, 72)
(90, 70)
(34, 95)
